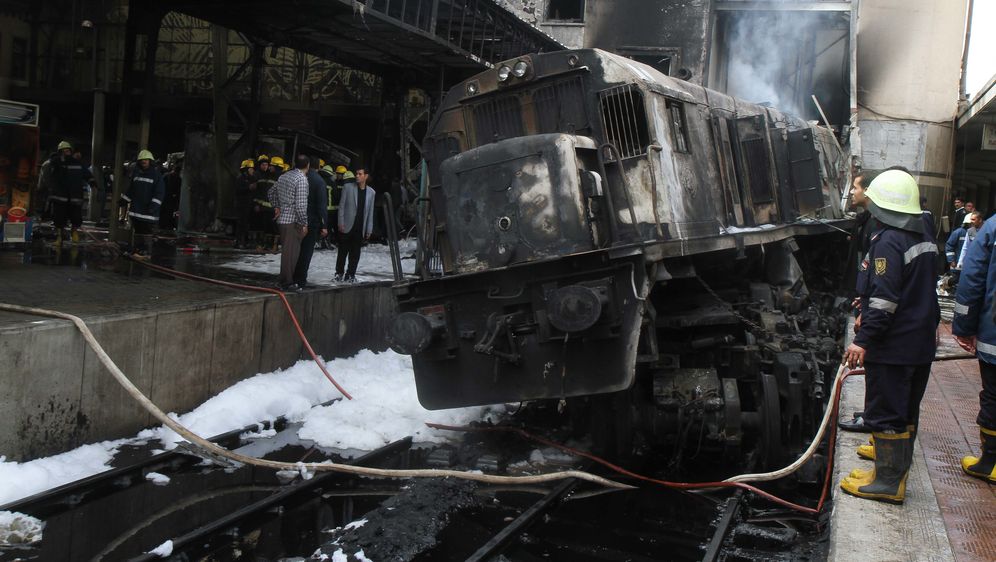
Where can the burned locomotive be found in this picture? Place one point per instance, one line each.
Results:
(646, 251)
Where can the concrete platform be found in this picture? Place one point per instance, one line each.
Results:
(180, 341)
(947, 515)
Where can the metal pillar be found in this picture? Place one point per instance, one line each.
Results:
(97, 196)
(127, 77)
(219, 57)
(143, 18)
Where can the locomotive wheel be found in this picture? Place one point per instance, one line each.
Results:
(770, 428)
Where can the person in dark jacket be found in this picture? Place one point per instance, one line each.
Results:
(974, 329)
(896, 340)
(171, 201)
(245, 191)
(144, 197)
(68, 177)
(318, 221)
(952, 248)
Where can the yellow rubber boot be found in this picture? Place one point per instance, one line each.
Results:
(892, 465)
(983, 467)
(75, 236)
(867, 451)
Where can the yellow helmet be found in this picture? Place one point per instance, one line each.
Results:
(262, 158)
(277, 161)
(321, 163)
(340, 169)
(145, 154)
(348, 175)
(328, 169)
(248, 163)
(64, 145)
(894, 199)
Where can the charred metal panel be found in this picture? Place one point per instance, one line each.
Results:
(499, 344)
(753, 164)
(728, 174)
(805, 171)
(780, 154)
(514, 201)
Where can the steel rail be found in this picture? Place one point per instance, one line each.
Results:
(198, 535)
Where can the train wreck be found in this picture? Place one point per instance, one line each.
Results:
(594, 227)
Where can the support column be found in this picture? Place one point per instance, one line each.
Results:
(127, 79)
(219, 57)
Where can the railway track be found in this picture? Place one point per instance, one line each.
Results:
(217, 513)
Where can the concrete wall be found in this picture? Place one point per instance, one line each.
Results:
(57, 395)
(908, 71)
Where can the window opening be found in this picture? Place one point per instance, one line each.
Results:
(679, 127)
(571, 11)
(624, 120)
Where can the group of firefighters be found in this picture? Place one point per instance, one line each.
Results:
(896, 330)
(67, 177)
(256, 225)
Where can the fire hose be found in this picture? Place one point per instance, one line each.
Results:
(212, 449)
(733, 482)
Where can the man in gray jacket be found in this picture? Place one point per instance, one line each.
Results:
(356, 208)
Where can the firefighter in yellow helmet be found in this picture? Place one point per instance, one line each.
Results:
(896, 340)
(245, 192)
(263, 221)
(144, 197)
(68, 177)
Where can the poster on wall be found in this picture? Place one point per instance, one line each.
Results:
(988, 137)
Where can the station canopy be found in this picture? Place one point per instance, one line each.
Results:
(381, 36)
(975, 164)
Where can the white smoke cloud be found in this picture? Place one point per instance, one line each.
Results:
(764, 50)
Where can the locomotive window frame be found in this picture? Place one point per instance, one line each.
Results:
(678, 124)
(624, 119)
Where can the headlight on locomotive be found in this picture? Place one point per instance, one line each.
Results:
(414, 332)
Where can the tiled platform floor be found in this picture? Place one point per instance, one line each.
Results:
(947, 432)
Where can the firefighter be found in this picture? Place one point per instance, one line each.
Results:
(897, 338)
(144, 197)
(974, 329)
(245, 192)
(263, 210)
(68, 177)
(332, 201)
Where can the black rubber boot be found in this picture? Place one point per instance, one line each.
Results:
(985, 466)
(856, 424)
(892, 464)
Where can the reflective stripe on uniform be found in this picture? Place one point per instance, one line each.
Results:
(985, 347)
(960, 308)
(146, 180)
(126, 198)
(918, 250)
(141, 216)
(882, 304)
(59, 198)
(156, 201)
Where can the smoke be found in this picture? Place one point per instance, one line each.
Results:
(767, 58)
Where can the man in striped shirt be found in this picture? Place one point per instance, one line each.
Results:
(289, 198)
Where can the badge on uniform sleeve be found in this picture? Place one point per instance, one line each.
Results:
(880, 266)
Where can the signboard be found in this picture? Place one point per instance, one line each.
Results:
(988, 137)
(18, 113)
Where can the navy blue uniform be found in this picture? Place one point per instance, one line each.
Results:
(899, 317)
(973, 314)
(952, 248)
(69, 176)
(145, 194)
